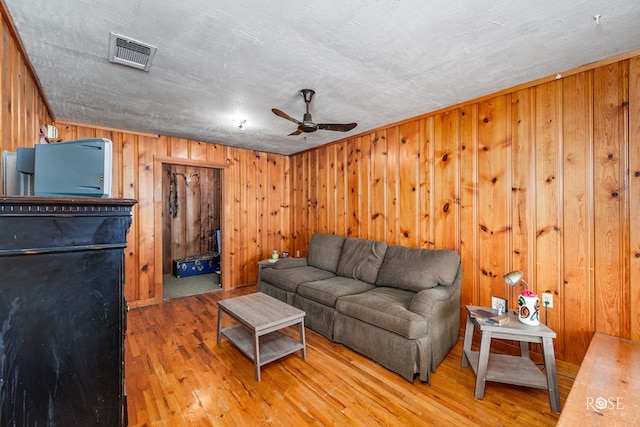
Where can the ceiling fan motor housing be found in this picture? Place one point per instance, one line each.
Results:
(307, 124)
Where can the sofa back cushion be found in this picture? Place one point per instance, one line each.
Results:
(324, 251)
(415, 269)
(361, 259)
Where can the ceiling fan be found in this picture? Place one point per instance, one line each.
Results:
(307, 125)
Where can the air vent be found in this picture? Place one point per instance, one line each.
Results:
(132, 53)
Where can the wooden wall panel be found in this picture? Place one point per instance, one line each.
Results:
(379, 188)
(634, 197)
(393, 192)
(577, 168)
(146, 229)
(469, 199)
(260, 210)
(128, 177)
(408, 184)
(609, 163)
(534, 179)
(425, 190)
(520, 179)
(445, 208)
(546, 274)
(493, 134)
(299, 187)
(23, 108)
(341, 205)
(354, 188)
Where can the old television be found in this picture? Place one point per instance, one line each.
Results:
(78, 168)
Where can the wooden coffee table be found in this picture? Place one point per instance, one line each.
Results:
(257, 334)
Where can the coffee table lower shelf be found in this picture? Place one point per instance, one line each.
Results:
(273, 346)
(507, 369)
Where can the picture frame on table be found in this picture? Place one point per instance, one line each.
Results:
(499, 304)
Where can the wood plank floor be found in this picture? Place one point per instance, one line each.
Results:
(177, 375)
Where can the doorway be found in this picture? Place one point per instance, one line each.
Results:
(191, 226)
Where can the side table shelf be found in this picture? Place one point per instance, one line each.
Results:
(273, 346)
(509, 369)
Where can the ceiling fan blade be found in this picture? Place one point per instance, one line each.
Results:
(284, 115)
(340, 127)
(295, 132)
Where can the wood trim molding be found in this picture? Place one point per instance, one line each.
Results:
(158, 163)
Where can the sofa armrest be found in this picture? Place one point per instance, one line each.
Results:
(425, 301)
(290, 263)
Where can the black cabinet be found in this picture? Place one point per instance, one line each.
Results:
(62, 311)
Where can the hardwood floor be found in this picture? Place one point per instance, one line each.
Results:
(177, 375)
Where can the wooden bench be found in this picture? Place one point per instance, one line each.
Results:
(607, 388)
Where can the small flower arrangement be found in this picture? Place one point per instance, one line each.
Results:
(528, 293)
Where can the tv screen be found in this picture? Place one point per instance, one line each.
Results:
(78, 168)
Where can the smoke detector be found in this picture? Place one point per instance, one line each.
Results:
(132, 53)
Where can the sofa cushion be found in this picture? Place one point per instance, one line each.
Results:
(288, 279)
(324, 251)
(329, 290)
(416, 269)
(386, 308)
(361, 259)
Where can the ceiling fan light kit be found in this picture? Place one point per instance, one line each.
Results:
(307, 125)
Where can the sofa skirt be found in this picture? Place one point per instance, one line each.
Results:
(276, 293)
(319, 317)
(406, 357)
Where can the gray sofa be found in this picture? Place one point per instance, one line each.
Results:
(397, 305)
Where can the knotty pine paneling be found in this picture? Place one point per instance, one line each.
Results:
(408, 184)
(577, 96)
(544, 178)
(520, 176)
(565, 206)
(23, 109)
(611, 194)
(494, 224)
(634, 197)
(469, 231)
(547, 264)
(444, 211)
(256, 219)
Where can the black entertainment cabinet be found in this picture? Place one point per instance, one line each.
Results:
(62, 311)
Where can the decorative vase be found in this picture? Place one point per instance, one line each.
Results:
(529, 310)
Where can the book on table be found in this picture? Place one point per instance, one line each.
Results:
(491, 316)
(498, 320)
(480, 313)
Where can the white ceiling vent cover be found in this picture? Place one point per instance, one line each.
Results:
(132, 53)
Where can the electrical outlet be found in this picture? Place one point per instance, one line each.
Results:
(547, 300)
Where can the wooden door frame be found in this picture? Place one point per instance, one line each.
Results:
(159, 163)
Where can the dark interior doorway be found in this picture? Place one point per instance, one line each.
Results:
(191, 221)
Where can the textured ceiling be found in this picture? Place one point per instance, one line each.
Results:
(370, 62)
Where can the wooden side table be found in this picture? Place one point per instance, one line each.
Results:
(517, 370)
